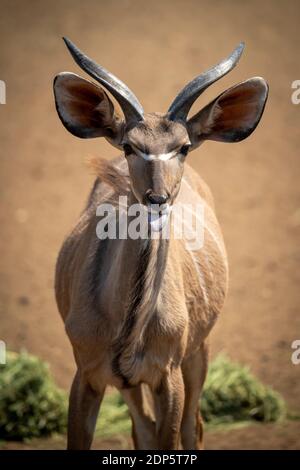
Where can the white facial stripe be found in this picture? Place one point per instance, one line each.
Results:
(149, 157)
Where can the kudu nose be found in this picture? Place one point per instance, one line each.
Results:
(156, 198)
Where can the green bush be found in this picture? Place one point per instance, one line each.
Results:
(231, 393)
(113, 417)
(30, 403)
(32, 406)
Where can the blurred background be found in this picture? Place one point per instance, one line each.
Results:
(156, 48)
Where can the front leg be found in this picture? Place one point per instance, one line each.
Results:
(84, 405)
(169, 403)
(194, 369)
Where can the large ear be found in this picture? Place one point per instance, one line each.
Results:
(232, 116)
(85, 109)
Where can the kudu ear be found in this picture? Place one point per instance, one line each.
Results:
(232, 116)
(85, 109)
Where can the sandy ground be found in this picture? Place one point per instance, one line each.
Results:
(156, 47)
(259, 437)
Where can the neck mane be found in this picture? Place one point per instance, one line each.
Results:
(148, 262)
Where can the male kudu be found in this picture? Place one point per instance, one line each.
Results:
(138, 312)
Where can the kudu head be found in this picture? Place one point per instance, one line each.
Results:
(156, 145)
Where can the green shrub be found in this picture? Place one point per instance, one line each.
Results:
(231, 393)
(32, 406)
(113, 417)
(30, 403)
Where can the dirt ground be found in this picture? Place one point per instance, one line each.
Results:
(259, 437)
(156, 47)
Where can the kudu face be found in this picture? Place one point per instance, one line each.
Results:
(156, 145)
(155, 149)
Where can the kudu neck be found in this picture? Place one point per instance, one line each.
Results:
(142, 268)
(144, 261)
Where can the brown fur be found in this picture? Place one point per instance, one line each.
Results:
(108, 173)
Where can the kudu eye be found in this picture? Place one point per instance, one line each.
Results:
(127, 149)
(184, 150)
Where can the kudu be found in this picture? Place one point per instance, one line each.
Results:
(138, 311)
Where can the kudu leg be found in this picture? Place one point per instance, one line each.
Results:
(84, 406)
(169, 403)
(138, 400)
(194, 371)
